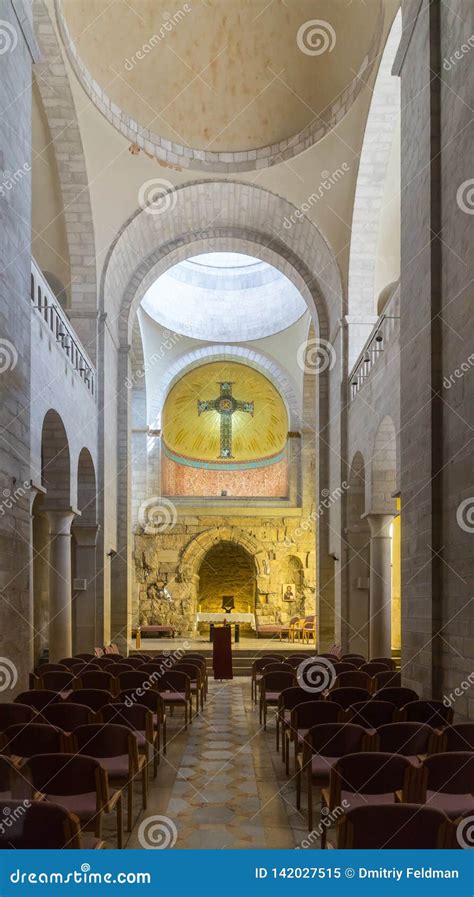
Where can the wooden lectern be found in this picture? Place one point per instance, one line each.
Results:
(222, 653)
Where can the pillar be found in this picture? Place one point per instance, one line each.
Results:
(85, 629)
(380, 588)
(60, 583)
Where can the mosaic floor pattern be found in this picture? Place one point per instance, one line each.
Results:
(222, 785)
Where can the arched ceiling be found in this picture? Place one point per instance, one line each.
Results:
(222, 77)
(191, 435)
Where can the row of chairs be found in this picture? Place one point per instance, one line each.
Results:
(374, 674)
(376, 762)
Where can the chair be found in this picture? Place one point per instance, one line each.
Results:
(387, 679)
(365, 778)
(133, 679)
(80, 785)
(388, 661)
(303, 717)
(71, 662)
(133, 662)
(294, 629)
(67, 716)
(308, 630)
(33, 738)
(271, 685)
(124, 667)
(201, 660)
(408, 739)
(15, 713)
(353, 679)
(100, 679)
(373, 667)
(116, 747)
(345, 697)
(39, 698)
(357, 660)
(40, 826)
(459, 737)
(86, 656)
(193, 669)
(63, 683)
(288, 699)
(14, 783)
(294, 660)
(94, 698)
(322, 746)
(139, 719)
(144, 657)
(397, 696)
(175, 689)
(344, 667)
(394, 826)
(447, 783)
(257, 669)
(435, 713)
(154, 702)
(332, 657)
(104, 662)
(278, 666)
(50, 668)
(372, 714)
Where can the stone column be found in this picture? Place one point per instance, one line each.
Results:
(380, 589)
(85, 630)
(60, 585)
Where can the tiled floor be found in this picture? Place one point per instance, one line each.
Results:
(222, 784)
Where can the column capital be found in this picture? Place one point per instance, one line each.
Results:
(60, 520)
(379, 524)
(85, 534)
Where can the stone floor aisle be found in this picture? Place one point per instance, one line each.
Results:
(222, 784)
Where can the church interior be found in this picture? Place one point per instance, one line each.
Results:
(236, 417)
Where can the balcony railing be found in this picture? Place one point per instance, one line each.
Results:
(45, 303)
(371, 352)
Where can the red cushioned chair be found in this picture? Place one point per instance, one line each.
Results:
(459, 737)
(38, 698)
(397, 696)
(389, 661)
(139, 719)
(412, 740)
(41, 826)
(271, 686)
(447, 783)
(372, 714)
(288, 699)
(22, 741)
(434, 713)
(303, 717)
(101, 679)
(365, 778)
(80, 785)
(10, 714)
(257, 669)
(373, 667)
(63, 683)
(154, 702)
(353, 679)
(345, 697)
(175, 689)
(322, 747)
(193, 669)
(116, 747)
(394, 827)
(387, 679)
(67, 716)
(94, 698)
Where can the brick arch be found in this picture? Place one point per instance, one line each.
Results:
(250, 357)
(197, 548)
(60, 111)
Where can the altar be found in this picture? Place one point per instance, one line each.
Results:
(231, 619)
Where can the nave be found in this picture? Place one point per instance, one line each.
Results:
(309, 751)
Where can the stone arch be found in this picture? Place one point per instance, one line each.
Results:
(369, 196)
(384, 468)
(257, 360)
(197, 548)
(55, 461)
(60, 110)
